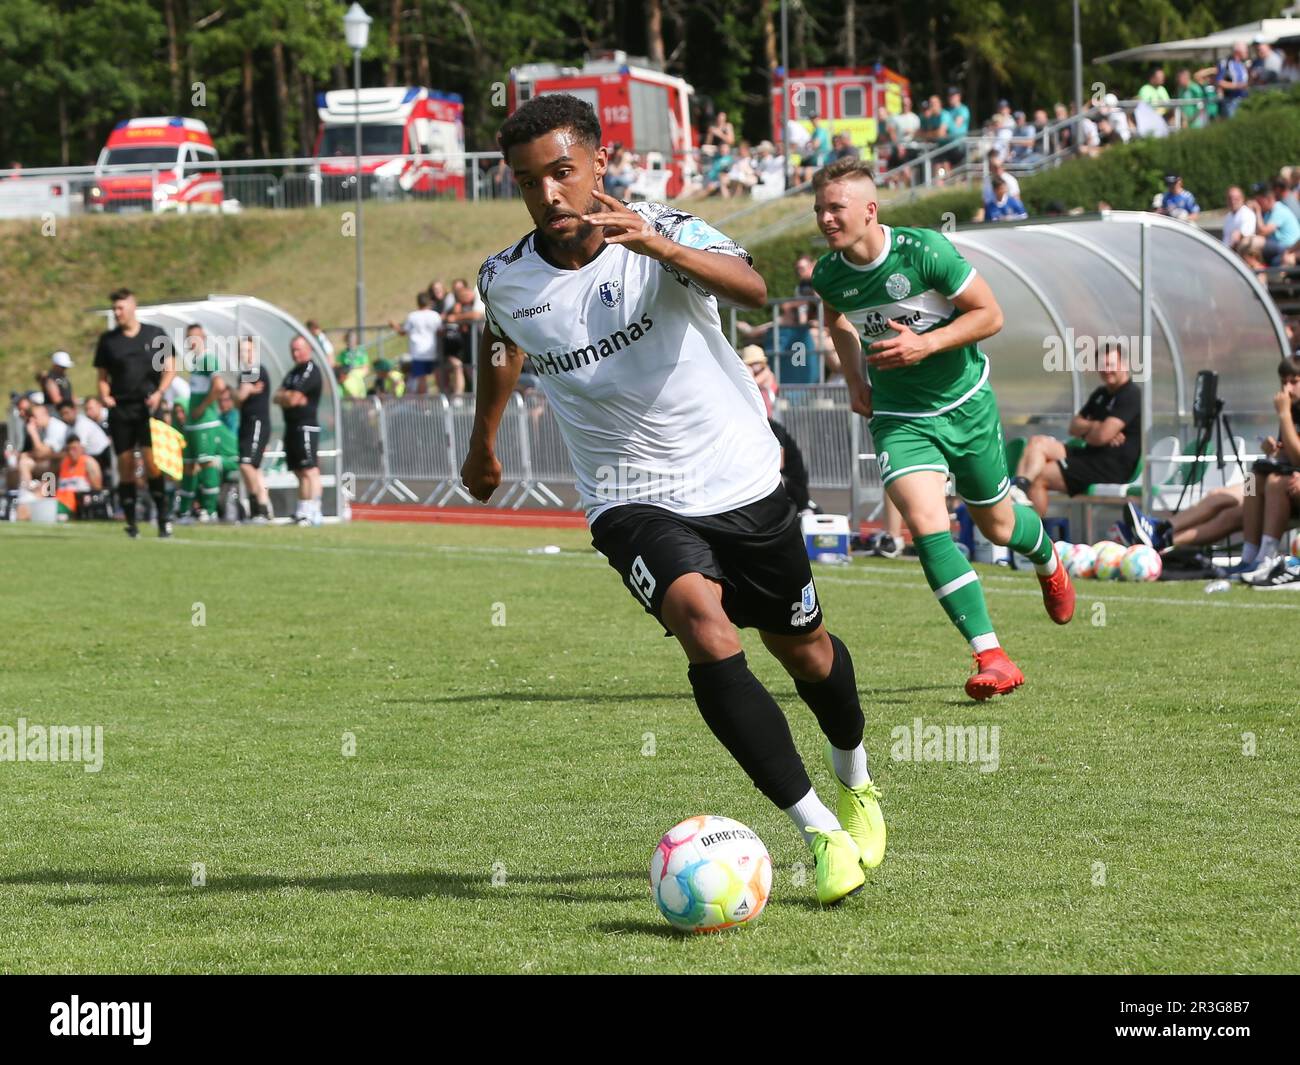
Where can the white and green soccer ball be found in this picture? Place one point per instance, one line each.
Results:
(708, 873)
(1110, 556)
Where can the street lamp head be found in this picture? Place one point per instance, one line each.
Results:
(356, 27)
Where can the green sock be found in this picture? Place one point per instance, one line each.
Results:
(1030, 539)
(210, 488)
(185, 497)
(957, 587)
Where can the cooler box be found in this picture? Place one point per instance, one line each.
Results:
(827, 537)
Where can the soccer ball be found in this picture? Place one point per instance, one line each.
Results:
(1110, 556)
(1063, 549)
(1081, 561)
(1141, 563)
(709, 873)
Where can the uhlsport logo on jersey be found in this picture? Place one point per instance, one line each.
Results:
(897, 286)
(611, 293)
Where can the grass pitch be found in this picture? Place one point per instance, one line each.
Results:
(500, 802)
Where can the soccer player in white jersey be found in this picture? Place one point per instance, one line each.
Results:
(614, 308)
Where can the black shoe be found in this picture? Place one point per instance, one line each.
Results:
(133, 531)
(1285, 573)
(887, 546)
(164, 530)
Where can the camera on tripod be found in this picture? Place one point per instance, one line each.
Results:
(1206, 404)
(1212, 425)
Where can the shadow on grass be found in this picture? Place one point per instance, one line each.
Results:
(408, 885)
(546, 697)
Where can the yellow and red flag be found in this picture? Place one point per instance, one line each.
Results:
(168, 448)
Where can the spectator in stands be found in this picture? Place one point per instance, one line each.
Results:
(43, 440)
(1089, 137)
(1290, 67)
(741, 175)
(421, 330)
(1114, 114)
(1176, 201)
(801, 311)
(1277, 230)
(1289, 188)
(934, 122)
(78, 474)
(1110, 426)
(796, 138)
(756, 359)
(721, 134)
(318, 334)
(1002, 206)
(1154, 92)
(1232, 77)
(1024, 140)
(1266, 68)
(1064, 133)
(54, 381)
(464, 325)
(621, 172)
(94, 440)
(388, 383)
(907, 123)
(998, 170)
(769, 166)
(351, 365)
(842, 148)
(1239, 223)
(957, 126)
(442, 299)
(1195, 114)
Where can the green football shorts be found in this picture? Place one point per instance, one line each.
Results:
(966, 442)
(201, 444)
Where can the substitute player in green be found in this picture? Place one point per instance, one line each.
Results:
(919, 310)
(202, 422)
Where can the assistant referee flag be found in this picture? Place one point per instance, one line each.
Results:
(168, 448)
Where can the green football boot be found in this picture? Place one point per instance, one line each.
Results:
(839, 866)
(859, 812)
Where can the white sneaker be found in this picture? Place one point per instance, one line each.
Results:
(1263, 567)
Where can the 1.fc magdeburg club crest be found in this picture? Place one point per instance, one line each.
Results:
(897, 286)
(611, 293)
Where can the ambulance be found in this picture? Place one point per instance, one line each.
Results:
(412, 142)
(173, 168)
(847, 99)
(640, 107)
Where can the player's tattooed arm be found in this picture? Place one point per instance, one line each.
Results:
(979, 319)
(728, 277)
(848, 345)
(499, 364)
(105, 389)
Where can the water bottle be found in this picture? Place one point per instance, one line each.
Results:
(1217, 586)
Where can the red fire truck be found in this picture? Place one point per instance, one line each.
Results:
(412, 141)
(644, 109)
(179, 155)
(847, 99)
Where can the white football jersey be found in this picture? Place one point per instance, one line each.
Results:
(652, 400)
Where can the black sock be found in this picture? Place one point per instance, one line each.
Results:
(126, 493)
(158, 493)
(747, 721)
(834, 700)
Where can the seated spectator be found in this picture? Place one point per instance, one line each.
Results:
(351, 365)
(1114, 114)
(95, 414)
(78, 474)
(1110, 426)
(755, 358)
(463, 328)
(1064, 133)
(1002, 206)
(1239, 223)
(54, 382)
(741, 175)
(43, 441)
(388, 382)
(998, 170)
(721, 134)
(421, 330)
(1277, 230)
(1176, 201)
(94, 440)
(620, 174)
(769, 166)
(1211, 520)
(1089, 137)
(1232, 78)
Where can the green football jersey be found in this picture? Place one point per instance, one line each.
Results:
(914, 281)
(206, 367)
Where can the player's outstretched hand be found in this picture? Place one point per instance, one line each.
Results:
(904, 349)
(481, 473)
(624, 226)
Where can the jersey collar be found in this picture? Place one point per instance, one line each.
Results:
(878, 260)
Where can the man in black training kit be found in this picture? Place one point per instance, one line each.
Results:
(298, 395)
(254, 398)
(613, 307)
(136, 364)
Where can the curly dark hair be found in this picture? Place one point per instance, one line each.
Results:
(542, 114)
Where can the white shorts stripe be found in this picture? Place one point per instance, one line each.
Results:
(945, 590)
(912, 469)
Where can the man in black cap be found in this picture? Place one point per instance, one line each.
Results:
(1176, 201)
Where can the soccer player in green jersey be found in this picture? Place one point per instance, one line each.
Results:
(919, 310)
(202, 463)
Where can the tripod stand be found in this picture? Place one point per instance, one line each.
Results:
(1216, 425)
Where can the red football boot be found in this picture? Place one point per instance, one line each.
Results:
(1058, 594)
(995, 674)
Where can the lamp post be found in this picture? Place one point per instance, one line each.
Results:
(1078, 80)
(356, 30)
